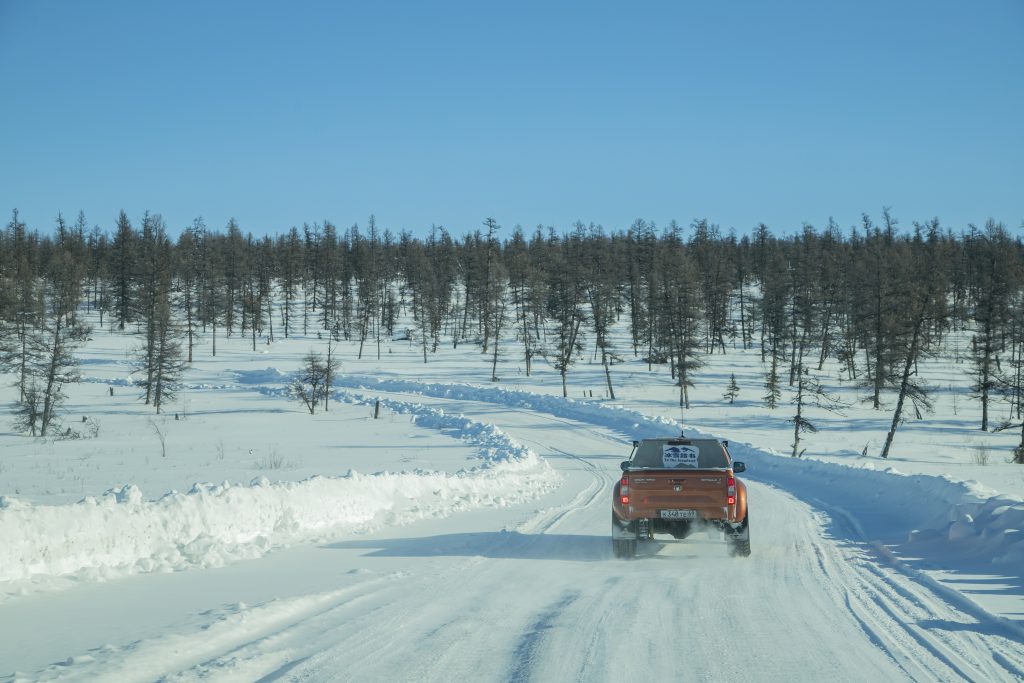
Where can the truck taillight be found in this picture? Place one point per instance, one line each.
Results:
(625, 500)
(731, 490)
(732, 500)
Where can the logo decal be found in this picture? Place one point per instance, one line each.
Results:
(679, 456)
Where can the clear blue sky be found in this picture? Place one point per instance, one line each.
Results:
(532, 112)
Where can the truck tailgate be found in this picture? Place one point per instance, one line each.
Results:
(672, 489)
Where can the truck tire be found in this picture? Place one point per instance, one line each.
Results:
(624, 549)
(739, 546)
(624, 539)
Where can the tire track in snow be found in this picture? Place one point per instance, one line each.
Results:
(208, 650)
(346, 635)
(910, 599)
(889, 610)
(911, 606)
(551, 517)
(582, 626)
(846, 586)
(527, 651)
(880, 638)
(595, 633)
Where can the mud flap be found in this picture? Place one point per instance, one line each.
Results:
(738, 532)
(738, 537)
(623, 530)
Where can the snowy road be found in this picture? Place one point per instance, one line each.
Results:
(531, 592)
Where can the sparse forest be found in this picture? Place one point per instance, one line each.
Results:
(874, 298)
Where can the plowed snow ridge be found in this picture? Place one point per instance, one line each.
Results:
(211, 525)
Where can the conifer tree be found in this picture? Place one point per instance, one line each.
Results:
(992, 274)
(310, 384)
(164, 358)
(809, 392)
(925, 286)
(565, 309)
(732, 390)
(53, 344)
(771, 385)
(188, 262)
(603, 296)
(124, 278)
(21, 301)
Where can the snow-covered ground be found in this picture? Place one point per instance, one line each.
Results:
(463, 535)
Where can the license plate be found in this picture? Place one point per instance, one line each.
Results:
(679, 514)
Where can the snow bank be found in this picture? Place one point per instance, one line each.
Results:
(632, 424)
(211, 525)
(937, 517)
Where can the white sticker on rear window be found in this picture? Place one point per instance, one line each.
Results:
(679, 456)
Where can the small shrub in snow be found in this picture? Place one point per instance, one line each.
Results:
(162, 436)
(88, 429)
(980, 454)
(270, 461)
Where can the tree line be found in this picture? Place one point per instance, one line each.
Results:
(874, 298)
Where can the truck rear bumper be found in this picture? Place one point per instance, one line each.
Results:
(704, 514)
(625, 529)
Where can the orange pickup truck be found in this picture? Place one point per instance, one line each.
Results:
(677, 486)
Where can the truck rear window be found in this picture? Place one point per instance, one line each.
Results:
(669, 454)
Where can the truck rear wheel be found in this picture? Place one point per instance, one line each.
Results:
(739, 545)
(625, 549)
(624, 538)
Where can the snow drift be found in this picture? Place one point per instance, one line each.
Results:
(211, 525)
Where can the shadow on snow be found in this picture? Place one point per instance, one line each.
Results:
(491, 544)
